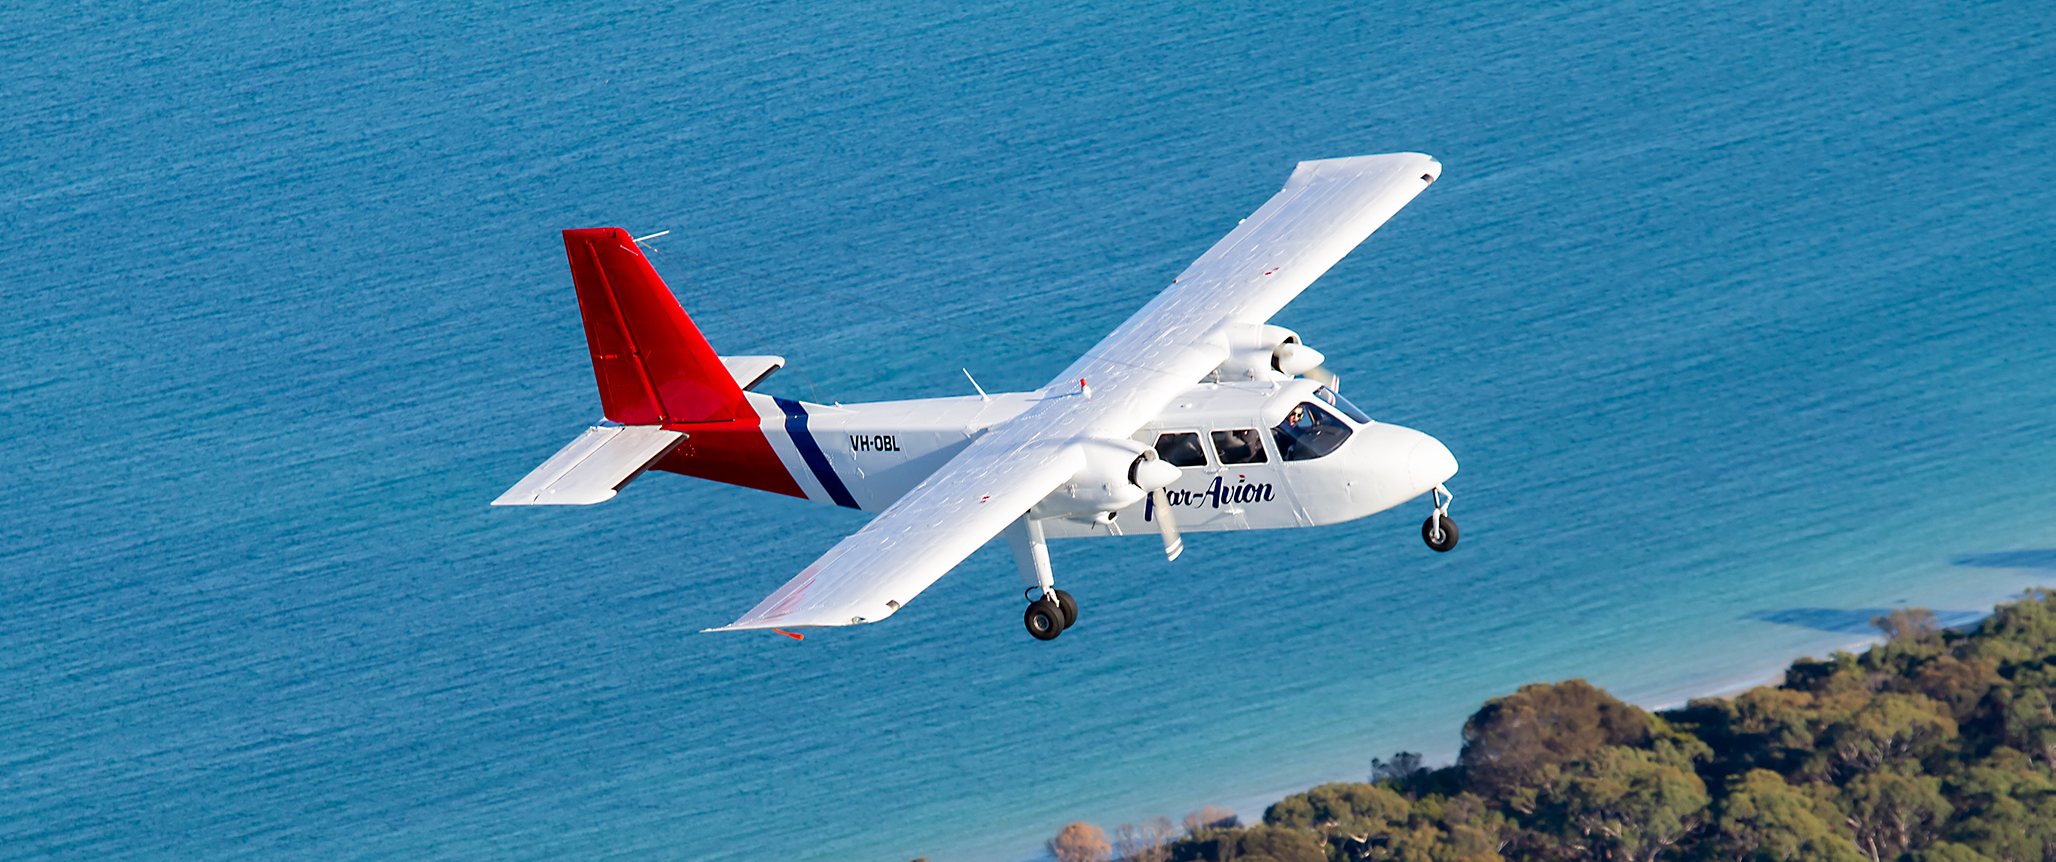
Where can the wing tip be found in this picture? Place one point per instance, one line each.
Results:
(1407, 159)
(741, 626)
(748, 625)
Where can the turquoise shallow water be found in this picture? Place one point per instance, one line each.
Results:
(1737, 316)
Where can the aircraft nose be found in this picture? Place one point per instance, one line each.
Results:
(1430, 463)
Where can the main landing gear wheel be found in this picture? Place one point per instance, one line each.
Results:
(1441, 537)
(1044, 620)
(1070, 608)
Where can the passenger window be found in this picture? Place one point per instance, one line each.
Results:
(1338, 402)
(1241, 446)
(1309, 432)
(1181, 449)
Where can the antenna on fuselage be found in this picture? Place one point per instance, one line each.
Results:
(974, 385)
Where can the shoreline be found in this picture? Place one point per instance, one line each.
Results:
(1250, 807)
(1657, 695)
(1910, 750)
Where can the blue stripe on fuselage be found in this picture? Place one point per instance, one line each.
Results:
(796, 428)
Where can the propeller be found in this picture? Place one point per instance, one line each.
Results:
(1154, 473)
(1173, 543)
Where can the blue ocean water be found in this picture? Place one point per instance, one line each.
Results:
(1736, 314)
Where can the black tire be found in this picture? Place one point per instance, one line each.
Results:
(1070, 608)
(1044, 620)
(1448, 533)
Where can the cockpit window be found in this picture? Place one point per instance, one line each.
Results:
(1309, 432)
(1241, 446)
(1338, 402)
(1181, 449)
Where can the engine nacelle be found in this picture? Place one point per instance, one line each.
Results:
(1252, 351)
(1293, 359)
(1117, 474)
(1267, 352)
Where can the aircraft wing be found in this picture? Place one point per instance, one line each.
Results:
(878, 569)
(1326, 209)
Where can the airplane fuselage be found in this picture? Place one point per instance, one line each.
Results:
(1239, 470)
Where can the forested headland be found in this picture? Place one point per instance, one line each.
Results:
(1934, 746)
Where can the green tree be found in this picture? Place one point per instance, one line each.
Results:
(1893, 813)
(2026, 722)
(1514, 740)
(1946, 852)
(2017, 632)
(2006, 808)
(1264, 843)
(1260, 843)
(1626, 803)
(1765, 819)
(1476, 831)
(1404, 765)
(1763, 728)
(1344, 806)
(1886, 728)
(1959, 685)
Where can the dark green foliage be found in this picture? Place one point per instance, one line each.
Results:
(1512, 743)
(1260, 843)
(1403, 766)
(1623, 803)
(1264, 843)
(1935, 746)
(1766, 820)
(1345, 806)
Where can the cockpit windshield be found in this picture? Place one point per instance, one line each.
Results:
(1309, 432)
(1338, 402)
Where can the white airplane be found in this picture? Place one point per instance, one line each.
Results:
(1195, 414)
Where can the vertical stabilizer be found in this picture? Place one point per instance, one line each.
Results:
(652, 364)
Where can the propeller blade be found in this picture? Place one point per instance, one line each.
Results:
(1173, 543)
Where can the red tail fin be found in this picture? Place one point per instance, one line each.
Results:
(652, 364)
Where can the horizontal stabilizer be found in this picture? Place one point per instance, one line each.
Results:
(749, 371)
(594, 466)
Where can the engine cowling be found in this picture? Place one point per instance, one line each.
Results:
(1252, 351)
(1266, 352)
(1293, 359)
(1117, 474)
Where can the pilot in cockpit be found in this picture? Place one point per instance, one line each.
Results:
(1309, 432)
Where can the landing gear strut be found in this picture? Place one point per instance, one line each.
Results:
(1439, 531)
(1050, 610)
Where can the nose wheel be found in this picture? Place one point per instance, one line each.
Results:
(1439, 531)
(1049, 615)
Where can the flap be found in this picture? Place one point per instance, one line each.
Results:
(594, 466)
(875, 571)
